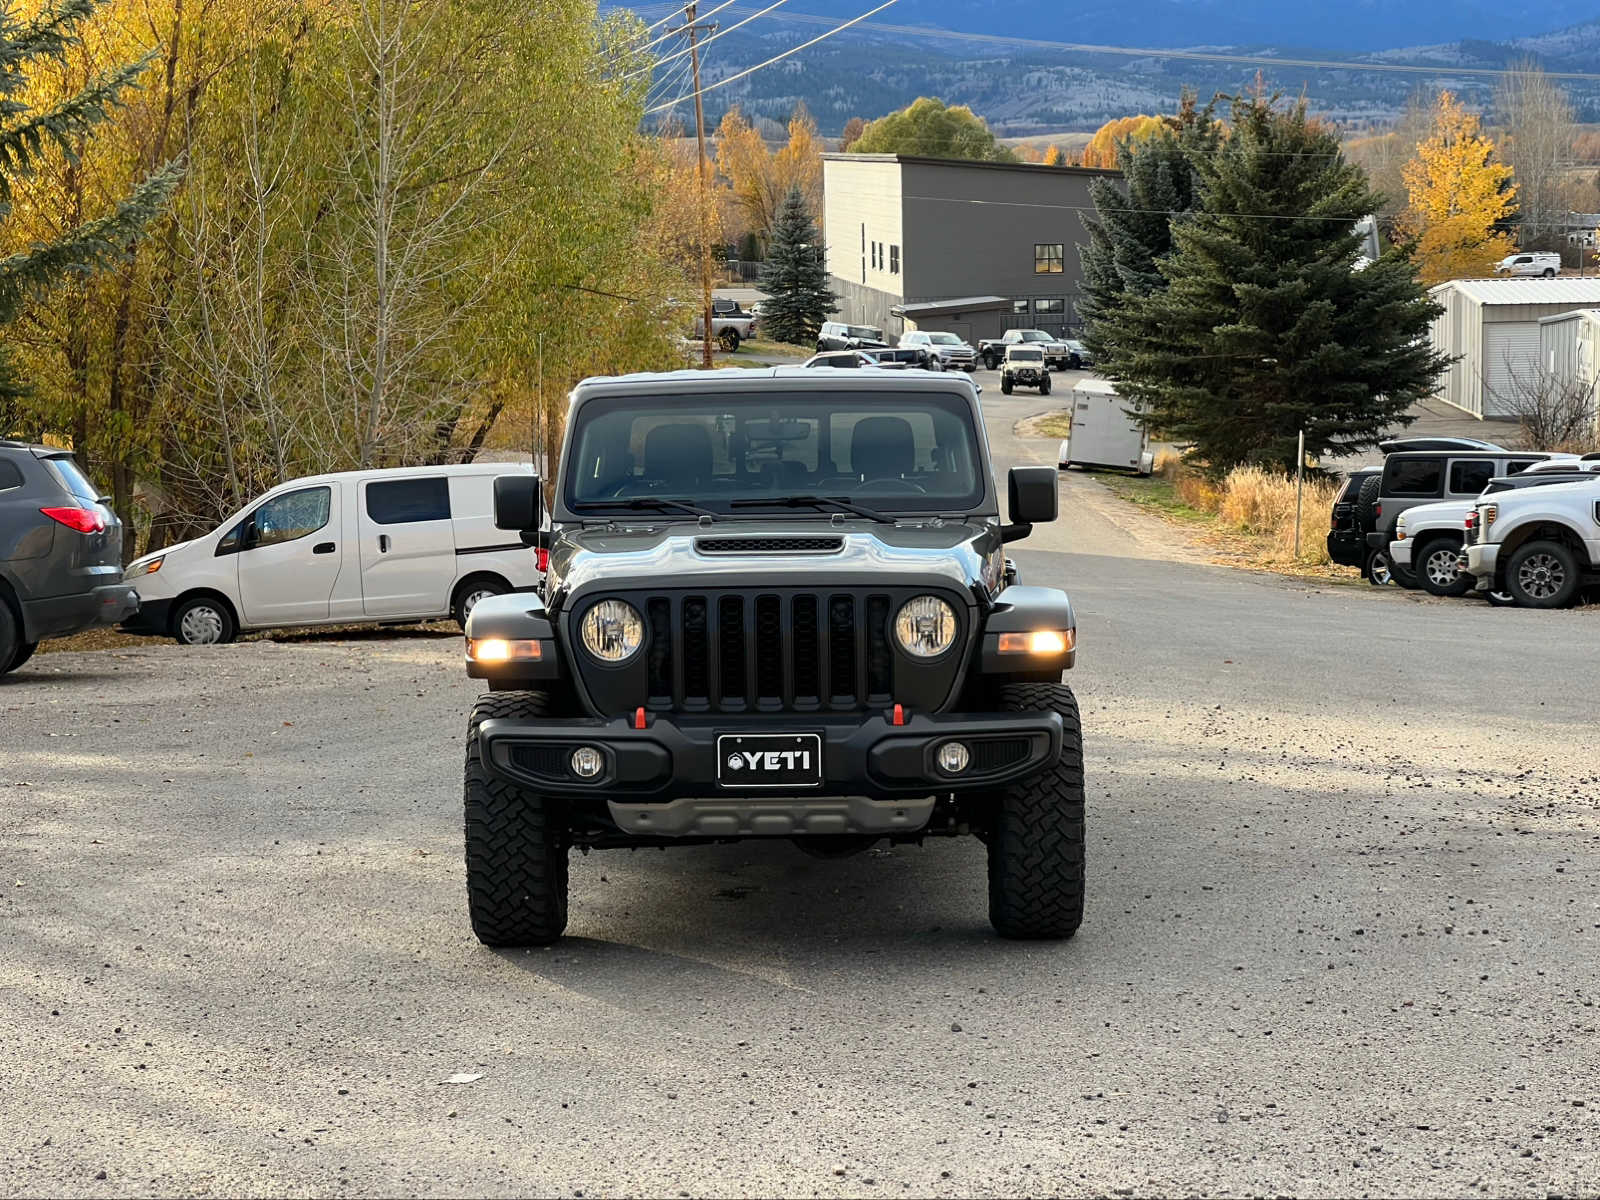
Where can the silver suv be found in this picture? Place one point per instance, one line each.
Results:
(60, 552)
(955, 354)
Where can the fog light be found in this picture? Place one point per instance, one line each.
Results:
(586, 762)
(953, 758)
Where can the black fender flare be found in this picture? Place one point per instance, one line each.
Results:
(1021, 608)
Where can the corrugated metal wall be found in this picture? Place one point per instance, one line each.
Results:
(1510, 362)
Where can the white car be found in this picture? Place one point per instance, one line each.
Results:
(1539, 545)
(398, 545)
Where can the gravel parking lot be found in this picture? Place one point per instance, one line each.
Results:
(1343, 921)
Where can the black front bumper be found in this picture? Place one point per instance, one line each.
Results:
(872, 768)
(59, 616)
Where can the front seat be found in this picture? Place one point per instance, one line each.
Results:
(882, 448)
(678, 457)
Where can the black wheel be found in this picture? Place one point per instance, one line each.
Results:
(516, 841)
(1075, 363)
(1543, 575)
(470, 591)
(203, 621)
(1500, 599)
(1005, 385)
(990, 361)
(1379, 569)
(729, 339)
(1036, 838)
(10, 640)
(23, 654)
(1044, 386)
(1435, 563)
(1549, 273)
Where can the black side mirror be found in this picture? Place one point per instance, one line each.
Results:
(517, 502)
(1035, 495)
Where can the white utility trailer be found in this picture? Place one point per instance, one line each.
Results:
(1103, 434)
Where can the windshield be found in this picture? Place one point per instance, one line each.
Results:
(1034, 335)
(907, 451)
(944, 339)
(1027, 356)
(866, 331)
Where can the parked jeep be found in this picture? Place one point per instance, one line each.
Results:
(776, 607)
(1539, 545)
(1024, 367)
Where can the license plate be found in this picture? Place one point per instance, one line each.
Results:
(769, 760)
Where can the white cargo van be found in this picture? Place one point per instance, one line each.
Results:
(406, 544)
(1102, 433)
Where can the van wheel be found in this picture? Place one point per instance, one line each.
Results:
(1436, 569)
(516, 841)
(203, 621)
(1543, 575)
(470, 592)
(1037, 834)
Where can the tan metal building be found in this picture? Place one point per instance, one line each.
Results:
(1490, 327)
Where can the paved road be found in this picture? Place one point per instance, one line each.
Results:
(1342, 933)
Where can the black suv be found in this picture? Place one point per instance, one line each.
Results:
(60, 552)
(777, 607)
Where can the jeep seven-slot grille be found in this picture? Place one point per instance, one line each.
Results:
(764, 652)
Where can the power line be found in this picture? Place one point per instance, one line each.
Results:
(720, 33)
(1261, 60)
(1153, 212)
(711, 87)
(674, 33)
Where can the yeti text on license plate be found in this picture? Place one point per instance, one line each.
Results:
(769, 760)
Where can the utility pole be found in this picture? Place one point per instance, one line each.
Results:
(700, 139)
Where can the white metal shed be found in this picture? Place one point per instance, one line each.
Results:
(1491, 328)
(1569, 351)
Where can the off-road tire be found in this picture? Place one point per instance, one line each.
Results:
(1559, 592)
(10, 638)
(729, 339)
(1044, 386)
(1005, 385)
(1460, 583)
(516, 841)
(1036, 837)
(1367, 504)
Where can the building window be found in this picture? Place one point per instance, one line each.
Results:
(894, 260)
(1047, 258)
(1019, 308)
(1049, 308)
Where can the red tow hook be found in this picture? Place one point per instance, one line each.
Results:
(640, 718)
(899, 717)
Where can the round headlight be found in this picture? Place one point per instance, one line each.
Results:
(612, 630)
(925, 626)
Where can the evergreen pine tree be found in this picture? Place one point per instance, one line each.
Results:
(1265, 327)
(795, 276)
(27, 136)
(1132, 225)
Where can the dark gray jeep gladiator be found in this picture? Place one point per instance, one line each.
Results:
(777, 606)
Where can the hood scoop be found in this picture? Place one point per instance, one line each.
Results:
(813, 544)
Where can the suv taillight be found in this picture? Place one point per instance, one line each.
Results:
(84, 520)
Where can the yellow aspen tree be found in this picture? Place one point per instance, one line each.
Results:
(1053, 157)
(1102, 148)
(1457, 194)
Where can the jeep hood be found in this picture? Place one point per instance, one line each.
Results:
(789, 553)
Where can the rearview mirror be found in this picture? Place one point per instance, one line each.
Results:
(517, 500)
(1035, 495)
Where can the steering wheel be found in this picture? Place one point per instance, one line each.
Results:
(875, 486)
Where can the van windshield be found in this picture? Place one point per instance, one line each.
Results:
(906, 452)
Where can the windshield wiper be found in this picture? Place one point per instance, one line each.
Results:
(814, 502)
(656, 503)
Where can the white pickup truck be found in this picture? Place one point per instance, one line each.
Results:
(1538, 545)
(1429, 539)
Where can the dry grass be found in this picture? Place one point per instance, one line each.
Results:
(1259, 506)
